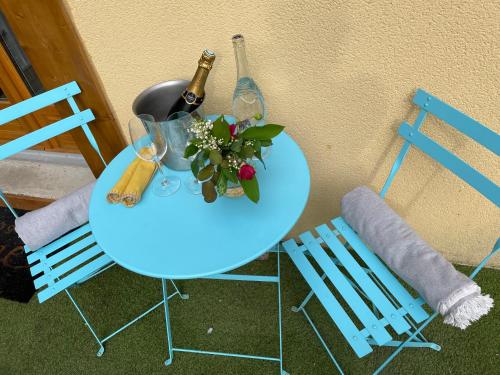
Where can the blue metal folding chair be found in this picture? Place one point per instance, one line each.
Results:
(75, 257)
(373, 294)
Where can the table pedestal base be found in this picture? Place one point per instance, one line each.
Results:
(230, 277)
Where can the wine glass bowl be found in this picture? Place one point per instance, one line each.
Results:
(179, 135)
(178, 126)
(150, 145)
(146, 140)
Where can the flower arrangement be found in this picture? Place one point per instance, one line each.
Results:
(221, 155)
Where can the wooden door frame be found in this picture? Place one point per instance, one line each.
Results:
(46, 32)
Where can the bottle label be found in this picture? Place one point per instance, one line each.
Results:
(191, 98)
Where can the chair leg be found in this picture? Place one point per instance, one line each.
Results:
(404, 344)
(415, 340)
(307, 299)
(316, 331)
(100, 352)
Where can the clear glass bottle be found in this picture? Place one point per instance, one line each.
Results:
(249, 107)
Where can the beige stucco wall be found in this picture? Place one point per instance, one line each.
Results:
(340, 75)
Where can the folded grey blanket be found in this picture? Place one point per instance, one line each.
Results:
(446, 290)
(40, 227)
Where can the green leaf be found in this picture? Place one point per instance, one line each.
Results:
(266, 142)
(230, 175)
(190, 150)
(208, 191)
(197, 164)
(195, 168)
(221, 130)
(215, 157)
(236, 145)
(221, 184)
(251, 189)
(247, 152)
(205, 154)
(218, 120)
(206, 173)
(262, 132)
(215, 176)
(258, 155)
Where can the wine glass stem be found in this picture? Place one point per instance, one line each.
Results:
(164, 180)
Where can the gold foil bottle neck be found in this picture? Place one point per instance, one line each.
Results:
(207, 59)
(197, 84)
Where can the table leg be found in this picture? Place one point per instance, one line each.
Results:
(234, 277)
(282, 372)
(182, 295)
(167, 323)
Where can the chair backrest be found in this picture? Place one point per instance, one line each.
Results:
(463, 123)
(78, 119)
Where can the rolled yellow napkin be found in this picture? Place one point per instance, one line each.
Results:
(115, 195)
(138, 182)
(134, 180)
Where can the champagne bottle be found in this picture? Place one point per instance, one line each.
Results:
(194, 94)
(248, 102)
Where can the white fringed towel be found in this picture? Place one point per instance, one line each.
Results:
(446, 290)
(40, 227)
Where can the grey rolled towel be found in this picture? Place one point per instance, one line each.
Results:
(446, 290)
(40, 227)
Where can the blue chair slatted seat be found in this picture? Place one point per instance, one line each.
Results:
(382, 306)
(69, 260)
(74, 256)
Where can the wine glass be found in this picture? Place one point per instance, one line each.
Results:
(150, 145)
(179, 124)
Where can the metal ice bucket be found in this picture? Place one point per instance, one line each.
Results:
(157, 101)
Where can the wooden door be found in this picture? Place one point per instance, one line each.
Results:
(50, 40)
(13, 89)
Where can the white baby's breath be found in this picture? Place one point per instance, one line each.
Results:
(201, 129)
(234, 161)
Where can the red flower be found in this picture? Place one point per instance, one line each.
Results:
(246, 172)
(232, 130)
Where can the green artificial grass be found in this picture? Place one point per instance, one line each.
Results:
(50, 338)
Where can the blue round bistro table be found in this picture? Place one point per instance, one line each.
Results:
(182, 237)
